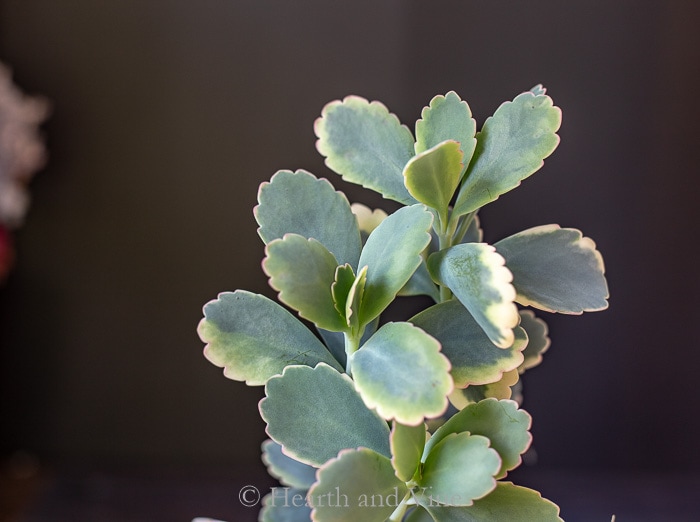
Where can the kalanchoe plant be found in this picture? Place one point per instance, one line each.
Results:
(347, 410)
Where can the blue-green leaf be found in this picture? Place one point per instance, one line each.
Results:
(502, 422)
(512, 145)
(459, 469)
(507, 502)
(367, 145)
(299, 203)
(254, 338)
(474, 358)
(401, 372)
(476, 275)
(335, 341)
(447, 118)
(538, 340)
(358, 485)
(303, 271)
(556, 269)
(288, 471)
(392, 253)
(285, 505)
(313, 413)
(421, 284)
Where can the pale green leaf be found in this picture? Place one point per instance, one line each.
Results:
(459, 469)
(407, 443)
(313, 413)
(538, 340)
(253, 338)
(392, 253)
(401, 372)
(447, 118)
(474, 358)
(433, 176)
(367, 219)
(478, 278)
(511, 146)
(367, 145)
(556, 269)
(288, 471)
(506, 503)
(285, 505)
(358, 485)
(500, 389)
(344, 280)
(299, 203)
(303, 271)
(500, 421)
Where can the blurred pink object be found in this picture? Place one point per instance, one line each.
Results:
(22, 150)
(22, 153)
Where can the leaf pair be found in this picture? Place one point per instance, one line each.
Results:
(450, 478)
(316, 412)
(367, 145)
(551, 268)
(314, 263)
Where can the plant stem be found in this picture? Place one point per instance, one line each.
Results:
(352, 344)
(400, 510)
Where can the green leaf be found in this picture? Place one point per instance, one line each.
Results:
(500, 389)
(253, 338)
(358, 485)
(458, 470)
(447, 118)
(401, 372)
(474, 233)
(407, 444)
(288, 471)
(299, 203)
(474, 358)
(538, 340)
(419, 514)
(502, 422)
(507, 502)
(392, 254)
(313, 413)
(303, 271)
(511, 146)
(366, 145)
(421, 283)
(556, 269)
(476, 275)
(433, 176)
(285, 505)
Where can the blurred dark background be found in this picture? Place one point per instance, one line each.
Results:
(167, 115)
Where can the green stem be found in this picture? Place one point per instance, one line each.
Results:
(352, 344)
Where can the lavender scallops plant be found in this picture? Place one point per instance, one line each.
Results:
(403, 421)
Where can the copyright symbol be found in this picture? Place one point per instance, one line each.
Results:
(249, 496)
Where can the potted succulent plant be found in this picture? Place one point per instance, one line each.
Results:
(413, 420)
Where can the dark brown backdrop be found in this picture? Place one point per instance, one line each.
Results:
(167, 116)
